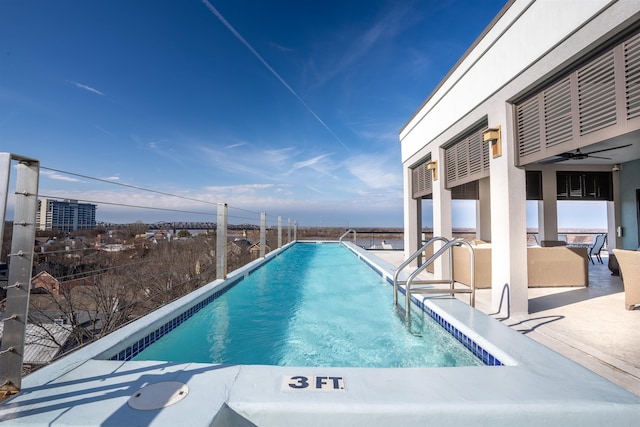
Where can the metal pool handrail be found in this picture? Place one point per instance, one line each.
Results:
(355, 235)
(408, 261)
(452, 290)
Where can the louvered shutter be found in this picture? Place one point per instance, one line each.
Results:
(421, 182)
(557, 113)
(631, 50)
(528, 127)
(597, 94)
(582, 107)
(467, 159)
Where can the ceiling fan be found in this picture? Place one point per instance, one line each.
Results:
(579, 155)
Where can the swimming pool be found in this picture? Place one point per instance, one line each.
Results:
(314, 305)
(95, 385)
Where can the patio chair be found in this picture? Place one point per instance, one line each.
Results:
(629, 262)
(596, 247)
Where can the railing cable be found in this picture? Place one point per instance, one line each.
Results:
(136, 187)
(121, 184)
(131, 206)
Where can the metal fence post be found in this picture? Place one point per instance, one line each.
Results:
(279, 232)
(221, 242)
(295, 230)
(289, 230)
(20, 269)
(5, 173)
(263, 234)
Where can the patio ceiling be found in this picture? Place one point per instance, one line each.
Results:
(616, 156)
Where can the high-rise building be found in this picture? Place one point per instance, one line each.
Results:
(65, 215)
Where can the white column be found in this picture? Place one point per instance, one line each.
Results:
(221, 242)
(442, 216)
(614, 216)
(263, 234)
(548, 206)
(279, 232)
(483, 210)
(508, 225)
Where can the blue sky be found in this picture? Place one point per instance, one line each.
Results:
(292, 108)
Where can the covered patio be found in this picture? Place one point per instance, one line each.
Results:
(556, 121)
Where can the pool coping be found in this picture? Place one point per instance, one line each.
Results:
(547, 387)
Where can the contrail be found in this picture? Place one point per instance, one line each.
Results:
(266, 64)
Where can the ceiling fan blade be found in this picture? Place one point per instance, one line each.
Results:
(556, 160)
(608, 149)
(599, 157)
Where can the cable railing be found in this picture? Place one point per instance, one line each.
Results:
(149, 268)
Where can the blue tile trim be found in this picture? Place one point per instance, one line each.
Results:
(135, 348)
(144, 342)
(477, 350)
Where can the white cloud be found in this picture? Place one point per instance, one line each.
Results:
(241, 189)
(357, 41)
(240, 144)
(318, 163)
(315, 189)
(105, 131)
(281, 48)
(249, 164)
(85, 87)
(375, 171)
(58, 176)
(245, 202)
(168, 153)
(267, 164)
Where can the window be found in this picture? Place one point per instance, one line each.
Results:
(584, 185)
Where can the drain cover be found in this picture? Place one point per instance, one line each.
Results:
(159, 395)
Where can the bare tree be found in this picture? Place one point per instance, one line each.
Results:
(125, 285)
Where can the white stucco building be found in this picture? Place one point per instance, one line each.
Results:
(552, 81)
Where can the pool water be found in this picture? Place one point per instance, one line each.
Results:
(313, 305)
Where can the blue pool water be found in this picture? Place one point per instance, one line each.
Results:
(314, 305)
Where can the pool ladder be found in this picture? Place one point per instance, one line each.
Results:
(355, 235)
(418, 286)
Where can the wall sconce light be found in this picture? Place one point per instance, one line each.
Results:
(493, 136)
(433, 167)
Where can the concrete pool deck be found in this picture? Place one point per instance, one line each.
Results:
(588, 325)
(537, 386)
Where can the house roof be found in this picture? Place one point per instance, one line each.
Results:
(241, 243)
(42, 342)
(256, 246)
(42, 278)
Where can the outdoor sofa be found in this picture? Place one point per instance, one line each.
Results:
(629, 262)
(546, 266)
